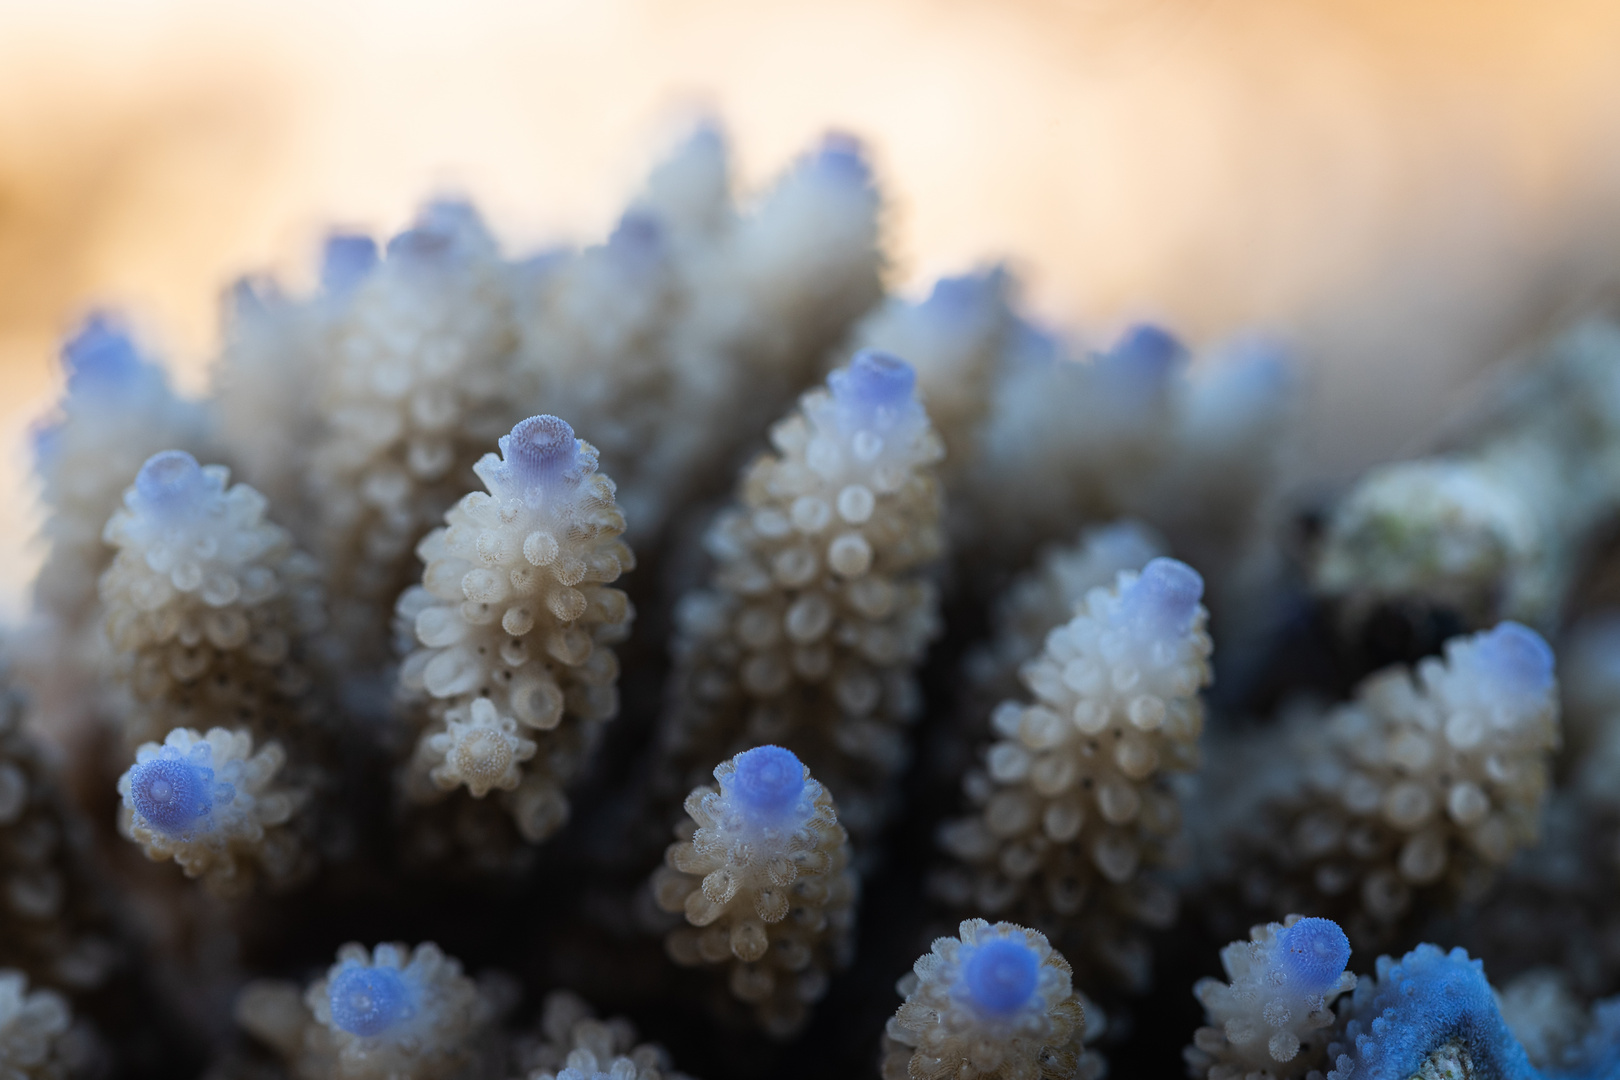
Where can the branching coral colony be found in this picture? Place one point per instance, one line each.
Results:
(682, 625)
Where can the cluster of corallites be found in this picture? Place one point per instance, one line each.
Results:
(208, 605)
(1432, 1014)
(1073, 798)
(819, 611)
(1041, 599)
(574, 1045)
(118, 410)
(995, 1003)
(699, 320)
(762, 875)
(208, 803)
(1429, 779)
(208, 610)
(514, 619)
(410, 389)
(1272, 1021)
(391, 1013)
(32, 1027)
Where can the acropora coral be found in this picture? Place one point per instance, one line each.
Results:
(691, 627)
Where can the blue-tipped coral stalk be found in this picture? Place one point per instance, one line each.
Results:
(409, 374)
(1059, 822)
(995, 1003)
(118, 410)
(391, 1012)
(820, 608)
(513, 624)
(192, 548)
(1275, 1016)
(1427, 783)
(767, 842)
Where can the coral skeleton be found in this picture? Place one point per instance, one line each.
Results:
(1072, 802)
(993, 1002)
(762, 875)
(513, 624)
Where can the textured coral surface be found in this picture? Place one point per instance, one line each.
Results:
(687, 628)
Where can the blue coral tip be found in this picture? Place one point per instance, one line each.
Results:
(1314, 953)
(638, 233)
(876, 379)
(100, 353)
(1148, 345)
(840, 157)
(169, 793)
(958, 293)
(1519, 656)
(170, 480)
(346, 258)
(541, 447)
(999, 976)
(369, 1000)
(768, 780)
(439, 228)
(1164, 599)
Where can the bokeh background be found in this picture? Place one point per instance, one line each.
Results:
(1407, 192)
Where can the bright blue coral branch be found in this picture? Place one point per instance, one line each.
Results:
(1432, 998)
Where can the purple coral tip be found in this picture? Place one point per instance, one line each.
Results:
(999, 976)
(1314, 953)
(638, 234)
(541, 448)
(768, 780)
(440, 229)
(101, 353)
(170, 792)
(1519, 657)
(369, 1000)
(170, 480)
(875, 380)
(1148, 345)
(840, 158)
(1164, 599)
(345, 260)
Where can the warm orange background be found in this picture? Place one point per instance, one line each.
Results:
(1407, 188)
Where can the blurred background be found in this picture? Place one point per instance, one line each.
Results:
(1408, 193)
